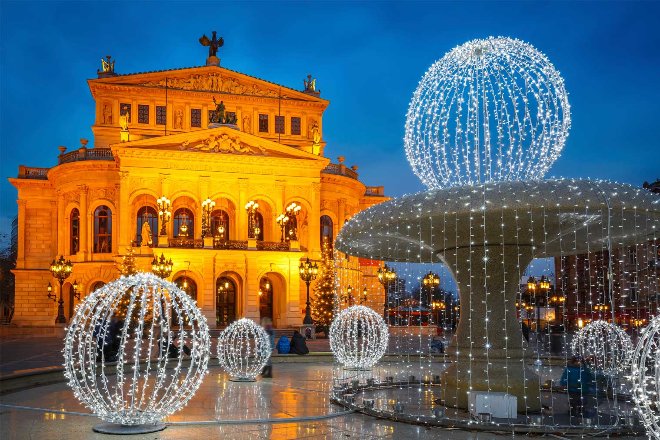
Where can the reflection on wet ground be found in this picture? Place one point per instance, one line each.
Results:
(256, 410)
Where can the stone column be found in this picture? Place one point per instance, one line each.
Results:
(341, 214)
(126, 228)
(84, 222)
(488, 354)
(61, 226)
(241, 224)
(20, 259)
(314, 222)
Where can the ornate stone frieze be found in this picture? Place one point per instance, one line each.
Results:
(214, 82)
(103, 193)
(222, 143)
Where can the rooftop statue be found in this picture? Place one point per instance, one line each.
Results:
(214, 43)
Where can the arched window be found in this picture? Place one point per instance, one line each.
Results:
(291, 229)
(74, 231)
(327, 232)
(102, 230)
(260, 224)
(220, 224)
(96, 286)
(265, 298)
(225, 302)
(184, 223)
(147, 214)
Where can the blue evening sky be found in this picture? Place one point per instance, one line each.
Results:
(367, 57)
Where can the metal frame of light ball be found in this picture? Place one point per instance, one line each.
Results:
(358, 337)
(603, 346)
(645, 377)
(145, 384)
(243, 350)
(492, 109)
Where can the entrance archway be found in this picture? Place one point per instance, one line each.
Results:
(225, 301)
(266, 298)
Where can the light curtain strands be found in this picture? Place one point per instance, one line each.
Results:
(645, 378)
(142, 322)
(489, 110)
(358, 337)
(604, 347)
(243, 349)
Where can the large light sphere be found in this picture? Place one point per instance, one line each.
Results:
(645, 377)
(243, 349)
(489, 110)
(142, 323)
(604, 347)
(358, 337)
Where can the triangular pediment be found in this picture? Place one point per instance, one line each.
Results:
(223, 140)
(208, 79)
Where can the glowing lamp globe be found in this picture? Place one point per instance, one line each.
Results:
(645, 378)
(136, 350)
(358, 337)
(604, 347)
(489, 110)
(243, 350)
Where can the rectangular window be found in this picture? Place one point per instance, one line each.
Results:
(279, 124)
(295, 126)
(263, 123)
(230, 117)
(161, 115)
(196, 117)
(143, 114)
(125, 109)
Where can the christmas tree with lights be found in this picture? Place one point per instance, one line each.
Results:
(323, 301)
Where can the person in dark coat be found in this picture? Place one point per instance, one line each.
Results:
(298, 344)
(267, 324)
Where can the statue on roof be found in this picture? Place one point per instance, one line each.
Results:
(310, 86)
(214, 43)
(219, 114)
(107, 67)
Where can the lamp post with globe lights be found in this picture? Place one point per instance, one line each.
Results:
(207, 208)
(161, 267)
(61, 269)
(308, 272)
(387, 277)
(164, 213)
(253, 227)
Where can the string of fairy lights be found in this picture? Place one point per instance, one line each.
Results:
(243, 350)
(358, 337)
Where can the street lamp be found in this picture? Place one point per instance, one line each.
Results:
(387, 277)
(282, 220)
(253, 228)
(161, 267)
(364, 295)
(207, 208)
(292, 212)
(164, 213)
(349, 296)
(61, 269)
(308, 272)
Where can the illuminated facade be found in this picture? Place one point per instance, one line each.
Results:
(154, 139)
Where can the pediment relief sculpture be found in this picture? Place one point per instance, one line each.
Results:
(214, 82)
(222, 143)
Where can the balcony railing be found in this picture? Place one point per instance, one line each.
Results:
(236, 245)
(232, 245)
(86, 154)
(375, 191)
(32, 172)
(340, 170)
(190, 243)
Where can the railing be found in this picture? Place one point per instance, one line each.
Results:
(375, 191)
(236, 245)
(340, 170)
(86, 154)
(190, 243)
(272, 246)
(32, 172)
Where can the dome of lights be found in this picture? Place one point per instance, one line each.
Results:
(137, 350)
(358, 337)
(489, 110)
(243, 349)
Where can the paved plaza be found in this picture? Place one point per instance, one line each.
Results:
(295, 403)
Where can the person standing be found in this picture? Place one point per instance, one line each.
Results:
(267, 324)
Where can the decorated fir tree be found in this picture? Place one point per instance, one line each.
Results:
(127, 265)
(323, 301)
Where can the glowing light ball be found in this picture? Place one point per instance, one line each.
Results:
(604, 347)
(358, 337)
(243, 350)
(645, 377)
(149, 327)
(489, 110)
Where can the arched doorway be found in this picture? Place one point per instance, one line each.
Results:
(189, 286)
(265, 298)
(225, 301)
